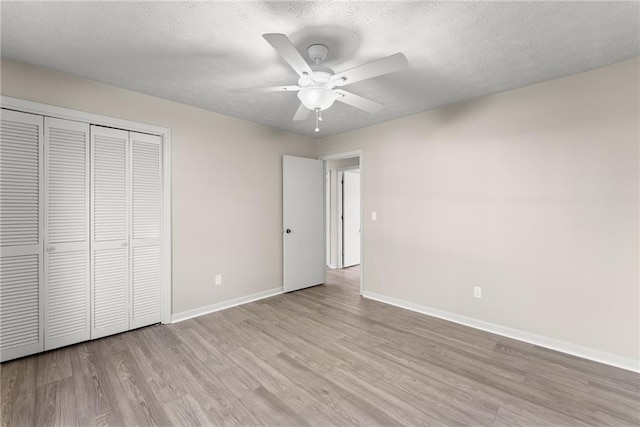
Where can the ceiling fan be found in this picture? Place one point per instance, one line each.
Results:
(319, 87)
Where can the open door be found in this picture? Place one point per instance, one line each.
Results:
(350, 218)
(302, 222)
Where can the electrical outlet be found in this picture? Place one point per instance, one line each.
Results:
(477, 292)
(218, 279)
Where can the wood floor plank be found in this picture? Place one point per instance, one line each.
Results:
(94, 394)
(533, 415)
(155, 368)
(136, 393)
(277, 383)
(54, 366)
(377, 394)
(186, 411)
(56, 404)
(441, 388)
(320, 356)
(18, 383)
(347, 404)
(221, 405)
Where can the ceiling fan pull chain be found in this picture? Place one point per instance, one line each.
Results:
(317, 120)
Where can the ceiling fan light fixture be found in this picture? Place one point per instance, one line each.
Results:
(317, 98)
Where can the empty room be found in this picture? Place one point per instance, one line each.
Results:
(319, 213)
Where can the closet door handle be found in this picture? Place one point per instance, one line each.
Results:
(51, 248)
(124, 245)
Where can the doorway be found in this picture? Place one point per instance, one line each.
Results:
(343, 215)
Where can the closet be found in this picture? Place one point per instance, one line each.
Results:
(80, 232)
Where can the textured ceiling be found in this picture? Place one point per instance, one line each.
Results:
(197, 53)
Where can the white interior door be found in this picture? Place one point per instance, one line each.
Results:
(146, 220)
(351, 218)
(21, 210)
(109, 231)
(303, 222)
(66, 259)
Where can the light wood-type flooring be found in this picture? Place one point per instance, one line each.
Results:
(321, 356)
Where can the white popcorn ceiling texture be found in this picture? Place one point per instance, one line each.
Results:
(198, 53)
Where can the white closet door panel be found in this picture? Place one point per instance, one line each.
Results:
(20, 306)
(110, 292)
(146, 266)
(20, 170)
(110, 231)
(146, 290)
(66, 267)
(67, 302)
(146, 186)
(67, 180)
(109, 184)
(21, 247)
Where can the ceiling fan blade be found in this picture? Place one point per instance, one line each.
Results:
(386, 65)
(302, 113)
(358, 101)
(293, 88)
(289, 53)
(276, 89)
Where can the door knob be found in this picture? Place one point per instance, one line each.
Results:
(288, 230)
(51, 248)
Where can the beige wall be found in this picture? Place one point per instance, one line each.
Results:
(332, 167)
(226, 183)
(531, 194)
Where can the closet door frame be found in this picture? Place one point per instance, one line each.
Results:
(25, 106)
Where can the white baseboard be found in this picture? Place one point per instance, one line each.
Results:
(332, 266)
(179, 317)
(539, 340)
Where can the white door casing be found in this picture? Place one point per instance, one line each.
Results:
(303, 222)
(361, 167)
(21, 231)
(66, 233)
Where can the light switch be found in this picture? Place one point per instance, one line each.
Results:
(218, 279)
(374, 216)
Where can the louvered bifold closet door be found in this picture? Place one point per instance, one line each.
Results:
(109, 231)
(66, 267)
(21, 210)
(146, 220)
